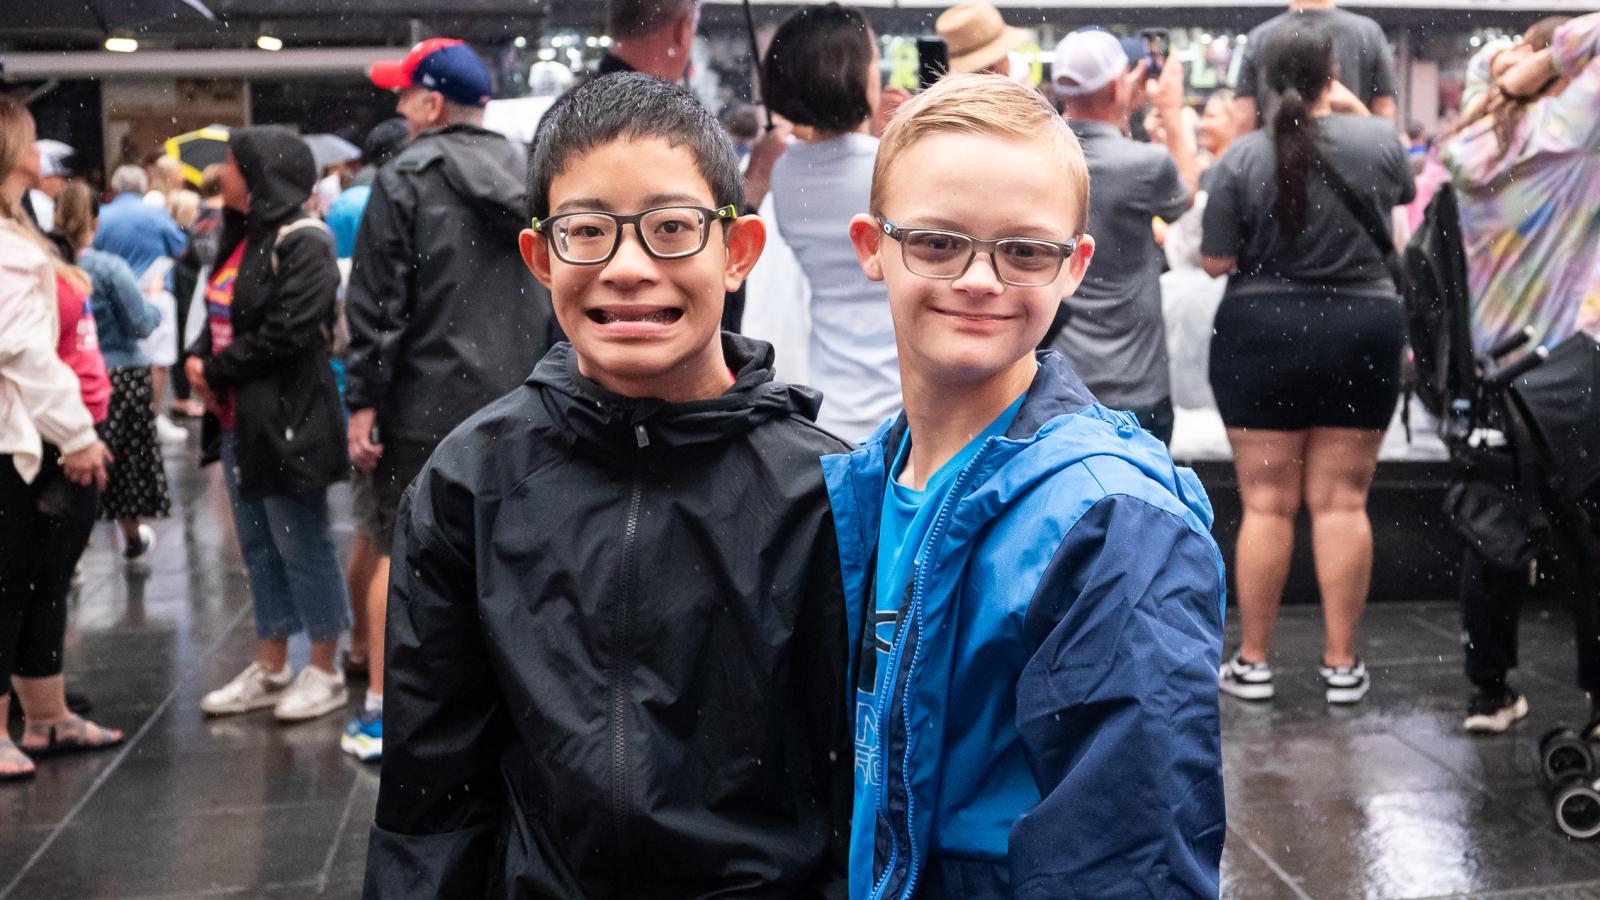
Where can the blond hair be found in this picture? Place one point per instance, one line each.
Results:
(184, 206)
(16, 140)
(990, 105)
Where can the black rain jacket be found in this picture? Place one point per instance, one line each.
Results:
(616, 651)
(287, 421)
(444, 316)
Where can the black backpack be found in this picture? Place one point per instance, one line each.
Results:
(1438, 307)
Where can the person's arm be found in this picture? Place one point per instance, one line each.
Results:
(1166, 95)
(47, 387)
(378, 300)
(307, 282)
(763, 155)
(1117, 709)
(127, 301)
(440, 801)
(1221, 234)
(1575, 54)
(1384, 106)
(1385, 86)
(822, 651)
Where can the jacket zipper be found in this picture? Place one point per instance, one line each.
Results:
(919, 584)
(622, 654)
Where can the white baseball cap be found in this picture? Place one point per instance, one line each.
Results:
(1091, 59)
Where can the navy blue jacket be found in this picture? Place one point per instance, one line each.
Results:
(1044, 721)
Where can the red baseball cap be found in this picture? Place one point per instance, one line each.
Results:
(445, 65)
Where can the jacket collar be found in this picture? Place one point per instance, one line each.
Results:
(589, 414)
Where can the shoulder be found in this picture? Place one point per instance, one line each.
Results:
(1355, 23)
(491, 450)
(419, 155)
(1368, 135)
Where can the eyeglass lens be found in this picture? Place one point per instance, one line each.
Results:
(938, 254)
(592, 237)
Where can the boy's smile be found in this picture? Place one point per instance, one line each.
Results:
(643, 326)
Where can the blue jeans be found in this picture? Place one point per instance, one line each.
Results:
(1156, 418)
(295, 578)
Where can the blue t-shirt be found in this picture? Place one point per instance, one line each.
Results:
(907, 517)
(344, 218)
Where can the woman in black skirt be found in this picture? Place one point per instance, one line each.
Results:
(137, 488)
(1305, 352)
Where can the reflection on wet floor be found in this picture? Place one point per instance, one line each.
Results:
(1386, 800)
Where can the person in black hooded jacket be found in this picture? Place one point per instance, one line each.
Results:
(261, 367)
(616, 640)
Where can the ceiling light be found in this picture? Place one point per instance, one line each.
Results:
(121, 44)
(268, 42)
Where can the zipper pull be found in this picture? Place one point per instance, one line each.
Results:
(642, 436)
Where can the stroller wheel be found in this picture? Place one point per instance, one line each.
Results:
(1578, 811)
(1562, 754)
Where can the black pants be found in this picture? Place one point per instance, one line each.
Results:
(1491, 598)
(43, 529)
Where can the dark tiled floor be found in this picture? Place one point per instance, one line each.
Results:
(1387, 800)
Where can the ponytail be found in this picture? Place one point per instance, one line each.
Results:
(1294, 138)
(1299, 64)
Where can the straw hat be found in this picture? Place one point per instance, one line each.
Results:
(977, 36)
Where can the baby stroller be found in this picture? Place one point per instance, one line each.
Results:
(1523, 431)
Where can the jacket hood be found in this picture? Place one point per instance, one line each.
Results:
(592, 415)
(485, 169)
(278, 168)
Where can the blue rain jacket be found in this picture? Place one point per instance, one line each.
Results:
(1043, 722)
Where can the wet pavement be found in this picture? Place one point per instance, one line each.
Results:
(1386, 800)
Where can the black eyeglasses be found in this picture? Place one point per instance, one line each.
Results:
(946, 255)
(666, 232)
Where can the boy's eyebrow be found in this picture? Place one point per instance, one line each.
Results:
(655, 200)
(938, 222)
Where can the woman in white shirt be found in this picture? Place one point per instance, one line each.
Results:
(821, 73)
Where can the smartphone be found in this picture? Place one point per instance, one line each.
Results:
(933, 60)
(1157, 44)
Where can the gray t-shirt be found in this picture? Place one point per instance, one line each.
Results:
(1365, 64)
(1115, 337)
(1333, 252)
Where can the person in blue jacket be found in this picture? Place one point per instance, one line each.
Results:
(1031, 582)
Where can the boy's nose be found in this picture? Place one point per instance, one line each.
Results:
(630, 264)
(980, 277)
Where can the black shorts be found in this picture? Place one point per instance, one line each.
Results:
(397, 468)
(1288, 362)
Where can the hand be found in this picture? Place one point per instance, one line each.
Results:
(1133, 86)
(1528, 78)
(889, 102)
(1342, 100)
(1166, 92)
(358, 434)
(88, 466)
(194, 368)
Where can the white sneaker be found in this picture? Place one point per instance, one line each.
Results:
(1247, 681)
(251, 689)
(1346, 684)
(167, 432)
(314, 693)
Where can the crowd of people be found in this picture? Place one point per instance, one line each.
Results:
(651, 621)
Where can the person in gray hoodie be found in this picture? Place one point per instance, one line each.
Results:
(444, 317)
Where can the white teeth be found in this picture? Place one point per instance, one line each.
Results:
(660, 316)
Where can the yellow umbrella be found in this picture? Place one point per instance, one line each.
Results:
(198, 149)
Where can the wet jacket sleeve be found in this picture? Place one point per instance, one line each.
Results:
(439, 803)
(1117, 709)
(378, 302)
(305, 288)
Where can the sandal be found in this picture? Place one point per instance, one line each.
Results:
(11, 757)
(71, 735)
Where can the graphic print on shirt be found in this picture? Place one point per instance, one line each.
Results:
(219, 301)
(874, 659)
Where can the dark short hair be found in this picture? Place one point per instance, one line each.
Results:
(815, 72)
(636, 18)
(629, 106)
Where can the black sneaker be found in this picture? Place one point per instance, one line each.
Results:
(1346, 684)
(1492, 710)
(1245, 680)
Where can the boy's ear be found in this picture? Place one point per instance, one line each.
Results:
(747, 237)
(867, 237)
(536, 254)
(1078, 264)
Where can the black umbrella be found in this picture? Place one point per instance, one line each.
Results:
(755, 60)
(104, 16)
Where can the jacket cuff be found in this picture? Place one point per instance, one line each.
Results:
(80, 441)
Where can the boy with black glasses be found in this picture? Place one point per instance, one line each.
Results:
(1032, 585)
(616, 641)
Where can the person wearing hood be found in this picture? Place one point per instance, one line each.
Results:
(443, 316)
(261, 367)
(616, 634)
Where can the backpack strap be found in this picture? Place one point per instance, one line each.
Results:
(1376, 228)
(297, 225)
